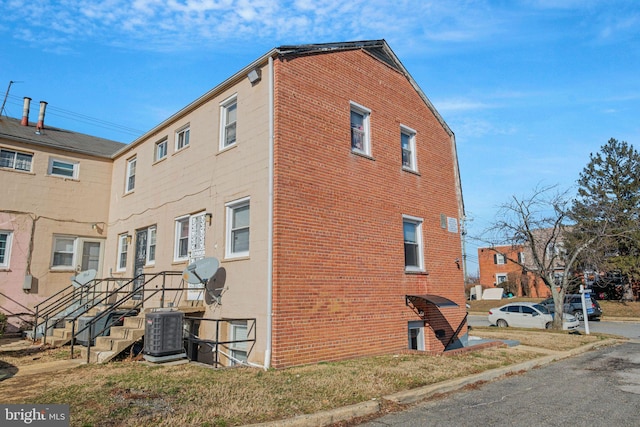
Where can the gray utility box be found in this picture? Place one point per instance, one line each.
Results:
(104, 324)
(163, 333)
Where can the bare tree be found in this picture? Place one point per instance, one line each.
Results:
(539, 223)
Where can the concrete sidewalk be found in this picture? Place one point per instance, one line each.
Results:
(16, 344)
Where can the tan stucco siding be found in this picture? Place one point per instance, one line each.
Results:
(203, 178)
(36, 206)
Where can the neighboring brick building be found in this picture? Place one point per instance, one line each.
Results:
(498, 265)
(327, 185)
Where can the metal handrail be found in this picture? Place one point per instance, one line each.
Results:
(64, 301)
(192, 338)
(147, 294)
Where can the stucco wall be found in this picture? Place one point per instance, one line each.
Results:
(38, 205)
(203, 178)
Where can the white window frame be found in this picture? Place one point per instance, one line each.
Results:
(501, 276)
(183, 136)
(161, 149)
(130, 178)
(74, 168)
(74, 250)
(123, 252)
(225, 125)
(417, 326)
(14, 161)
(366, 128)
(500, 259)
(178, 237)
(410, 134)
(232, 229)
(4, 260)
(417, 222)
(238, 350)
(152, 235)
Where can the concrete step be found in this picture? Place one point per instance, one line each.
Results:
(125, 332)
(62, 333)
(106, 348)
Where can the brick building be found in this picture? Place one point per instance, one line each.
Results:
(326, 184)
(503, 265)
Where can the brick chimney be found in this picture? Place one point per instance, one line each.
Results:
(43, 107)
(25, 111)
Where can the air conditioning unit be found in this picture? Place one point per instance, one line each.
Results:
(163, 336)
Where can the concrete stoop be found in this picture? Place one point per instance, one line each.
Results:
(408, 397)
(119, 339)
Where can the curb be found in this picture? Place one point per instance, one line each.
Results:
(326, 418)
(417, 394)
(407, 397)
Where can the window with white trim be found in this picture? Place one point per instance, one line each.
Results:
(5, 248)
(238, 216)
(501, 278)
(151, 245)
(73, 253)
(161, 150)
(15, 160)
(239, 332)
(131, 175)
(181, 250)
(413, 252)
(63, 252)
(499, 259)
(123, 248)
(63, 168)
(182, 138)
(228, 121)
(408, 146)
(360, 138)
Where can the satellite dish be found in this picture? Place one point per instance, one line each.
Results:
(81, 279)
(200, 271)
(215, 286)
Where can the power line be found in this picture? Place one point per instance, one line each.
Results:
(83, 118)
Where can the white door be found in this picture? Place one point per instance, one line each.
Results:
(197, 231)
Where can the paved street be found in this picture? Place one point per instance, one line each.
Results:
(598, 388)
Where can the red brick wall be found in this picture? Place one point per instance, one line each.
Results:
(339, 280)
(489, 269)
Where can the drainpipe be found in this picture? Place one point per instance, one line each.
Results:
(43, 107)
(267, 353)
(25, 111)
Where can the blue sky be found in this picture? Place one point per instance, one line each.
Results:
(530, 87)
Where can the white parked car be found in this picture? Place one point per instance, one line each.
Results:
(527, 315)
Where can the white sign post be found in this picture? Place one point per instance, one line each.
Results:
(584, 295)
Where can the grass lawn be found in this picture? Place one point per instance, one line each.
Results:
(129, 393)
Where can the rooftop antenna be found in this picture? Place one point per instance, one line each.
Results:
(6, 95)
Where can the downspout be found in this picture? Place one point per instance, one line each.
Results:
(267, 353)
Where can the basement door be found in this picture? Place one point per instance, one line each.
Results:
(197, 231)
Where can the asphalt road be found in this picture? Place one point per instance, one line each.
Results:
(625, 329)
(597, 388)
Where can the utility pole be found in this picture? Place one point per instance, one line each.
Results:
(6, 95)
